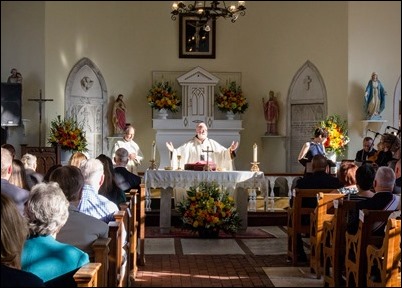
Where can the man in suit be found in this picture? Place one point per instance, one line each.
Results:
(30, 164)
(124, 178)
(80, 230)
(320, 178)
(17, 194)
(368, 150)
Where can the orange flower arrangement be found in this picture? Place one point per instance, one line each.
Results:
(207, 207)
(68, 134)
(338, 138)
(162, 96)
(231, 99)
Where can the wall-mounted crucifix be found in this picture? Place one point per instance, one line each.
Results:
(40, 101)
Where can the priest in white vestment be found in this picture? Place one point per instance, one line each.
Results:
(197, 148)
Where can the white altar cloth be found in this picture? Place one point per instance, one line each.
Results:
(236, 182)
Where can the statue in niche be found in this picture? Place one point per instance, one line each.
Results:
(119, 115)
(374, 98)
(271, 113)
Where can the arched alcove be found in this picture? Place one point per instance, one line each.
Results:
(86, 101)
(306, 105)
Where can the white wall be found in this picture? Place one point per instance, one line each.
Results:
(129, 40)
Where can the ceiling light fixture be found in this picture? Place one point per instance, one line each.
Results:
(214, 10)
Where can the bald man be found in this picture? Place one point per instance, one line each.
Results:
(194, 150)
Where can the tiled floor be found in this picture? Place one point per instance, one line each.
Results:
(175, 262)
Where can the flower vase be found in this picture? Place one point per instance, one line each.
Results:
(206, 233)
(65, 156)
(230, 115)
(331, 156)
(162, 114)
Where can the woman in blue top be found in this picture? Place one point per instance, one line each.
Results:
(312, 148)
(43, 255)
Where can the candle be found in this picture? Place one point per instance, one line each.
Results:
(255, 152)
(153, 150)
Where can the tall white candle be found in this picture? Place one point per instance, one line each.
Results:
(153, 150)
(255, 152)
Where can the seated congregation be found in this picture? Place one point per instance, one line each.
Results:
(74, 227)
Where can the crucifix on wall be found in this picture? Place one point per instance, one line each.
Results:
(40, 101)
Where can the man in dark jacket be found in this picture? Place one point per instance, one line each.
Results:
(124, 178)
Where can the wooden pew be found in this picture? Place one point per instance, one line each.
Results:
(87, 275)
(356, 246)
(101, 250)
(295, 215)
(141, 224)
(131, 207)
(118, 275)
(334, 243)
(323, 212)
(383, 263)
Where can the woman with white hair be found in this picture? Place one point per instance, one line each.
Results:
(47, 211)
(30, 165)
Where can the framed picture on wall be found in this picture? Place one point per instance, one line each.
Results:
(196, 37)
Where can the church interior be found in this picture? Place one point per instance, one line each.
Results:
(316, 57)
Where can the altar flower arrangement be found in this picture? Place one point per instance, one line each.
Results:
(207, 207)
(69, 134)
(231, 99)
(162, 96)
(338, 138)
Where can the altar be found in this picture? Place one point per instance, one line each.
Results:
(237, 184)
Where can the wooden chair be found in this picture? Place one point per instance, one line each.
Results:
(323, 212)
(356, 246)
(295, 224)
(87, 275)
(383, 262)
(46, 156)
(334, 243)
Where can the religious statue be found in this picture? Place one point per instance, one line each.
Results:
(374, 98)
(15, 76)
(119, 115)
(271, 113)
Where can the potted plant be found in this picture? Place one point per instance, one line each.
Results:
(230, 99)
(208, 210)
(69, 134)
(162, 97)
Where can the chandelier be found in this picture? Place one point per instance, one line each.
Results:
(204, 12)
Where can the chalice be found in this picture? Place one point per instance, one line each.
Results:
(178, 162)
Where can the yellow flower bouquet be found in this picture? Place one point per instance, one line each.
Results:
(231, 98)
(162, 96)
(338, 138)
(209, 208)
(69, 134)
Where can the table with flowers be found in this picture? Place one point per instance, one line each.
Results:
(236, 182)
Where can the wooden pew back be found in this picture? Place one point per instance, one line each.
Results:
(334, 243)
(323, 212)
(87, 275)
(383, 264)
(356, 246)
(296, 214)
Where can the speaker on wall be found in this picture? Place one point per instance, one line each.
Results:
(11, 104)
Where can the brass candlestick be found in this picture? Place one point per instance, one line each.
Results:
(153, 165)
(254, 167)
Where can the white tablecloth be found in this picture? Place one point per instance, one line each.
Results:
(236, 182)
